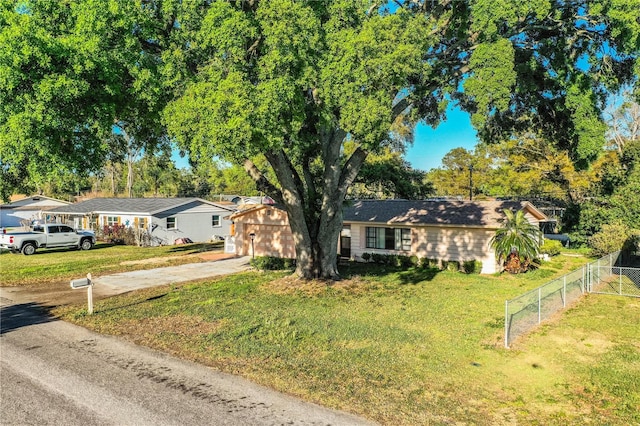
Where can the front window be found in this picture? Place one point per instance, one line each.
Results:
(140, 222)
(172, 223)
(403, 239)
(112, 220)
(388, 238)
(215, 221)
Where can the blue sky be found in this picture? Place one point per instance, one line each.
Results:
(430, 144)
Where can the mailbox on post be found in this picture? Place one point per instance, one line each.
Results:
(82, 283)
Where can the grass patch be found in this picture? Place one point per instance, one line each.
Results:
(417, 346)
(54, 265)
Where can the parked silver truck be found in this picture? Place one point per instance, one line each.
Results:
(48, 235)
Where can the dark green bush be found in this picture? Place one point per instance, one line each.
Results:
(453, 266)
(403, 261)
(415, 262)
(366, 257)
(269, 263)
(444, 265)
(378, 258)
(426, 262)
(472, 266)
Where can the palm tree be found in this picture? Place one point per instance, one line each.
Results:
(517, 243)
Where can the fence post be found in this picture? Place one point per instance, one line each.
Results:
(564, 291)
(620, 281)
(506, 324)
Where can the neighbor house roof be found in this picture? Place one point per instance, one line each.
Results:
(245, 209)
(148, 206)
(446, 213)
(35, 202)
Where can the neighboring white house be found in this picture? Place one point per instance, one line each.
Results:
(441, 230)
(22, 212)
(166, 219)
(241, 200)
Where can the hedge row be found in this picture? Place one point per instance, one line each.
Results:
(401, 261)
(270, 263)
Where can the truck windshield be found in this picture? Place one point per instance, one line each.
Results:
(38, 228)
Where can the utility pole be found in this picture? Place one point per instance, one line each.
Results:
(470, 182)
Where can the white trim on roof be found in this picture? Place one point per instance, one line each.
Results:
(191, 200)
(419, 225)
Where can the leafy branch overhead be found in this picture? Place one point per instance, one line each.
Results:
(291, 82)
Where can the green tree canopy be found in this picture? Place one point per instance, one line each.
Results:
(293, 81)
(69, 71)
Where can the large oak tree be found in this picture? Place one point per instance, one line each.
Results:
(294, 80)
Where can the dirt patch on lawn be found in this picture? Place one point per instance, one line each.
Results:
(205, 256)
(49, 294)
(292, 284)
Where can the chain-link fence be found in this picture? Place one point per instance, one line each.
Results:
(604, 276)
(530, 309)
(602, 269)
(613, 275)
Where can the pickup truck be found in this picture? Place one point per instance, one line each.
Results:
(49, 235)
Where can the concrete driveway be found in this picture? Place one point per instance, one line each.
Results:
(135, 280)
(114, 284)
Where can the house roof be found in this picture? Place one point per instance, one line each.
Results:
(446, 213)
(245, 209)
(148, 206)
(35, 202)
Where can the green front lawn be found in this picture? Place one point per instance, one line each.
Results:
(398, 347)
(55, 265)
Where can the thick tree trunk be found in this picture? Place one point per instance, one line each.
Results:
(315, 218)
(294, 203)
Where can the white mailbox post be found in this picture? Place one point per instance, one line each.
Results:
(82, 283)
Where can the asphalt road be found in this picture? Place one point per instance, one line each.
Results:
(55, 373)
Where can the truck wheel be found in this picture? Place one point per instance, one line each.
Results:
(28, 249)
(86, 244)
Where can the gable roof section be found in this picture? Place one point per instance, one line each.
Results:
(487, 214)
(252, 208)
(146, 206)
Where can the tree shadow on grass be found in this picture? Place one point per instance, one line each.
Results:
(128, 305)
(196, 247)
(406, 275)
(418, 275)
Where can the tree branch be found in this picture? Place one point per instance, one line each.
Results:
(350, 170)
(262, 182)
(400, 107)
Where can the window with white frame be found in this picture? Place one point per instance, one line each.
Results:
(112, 220)
(172, 223)
(388, 238)
(215, 221)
